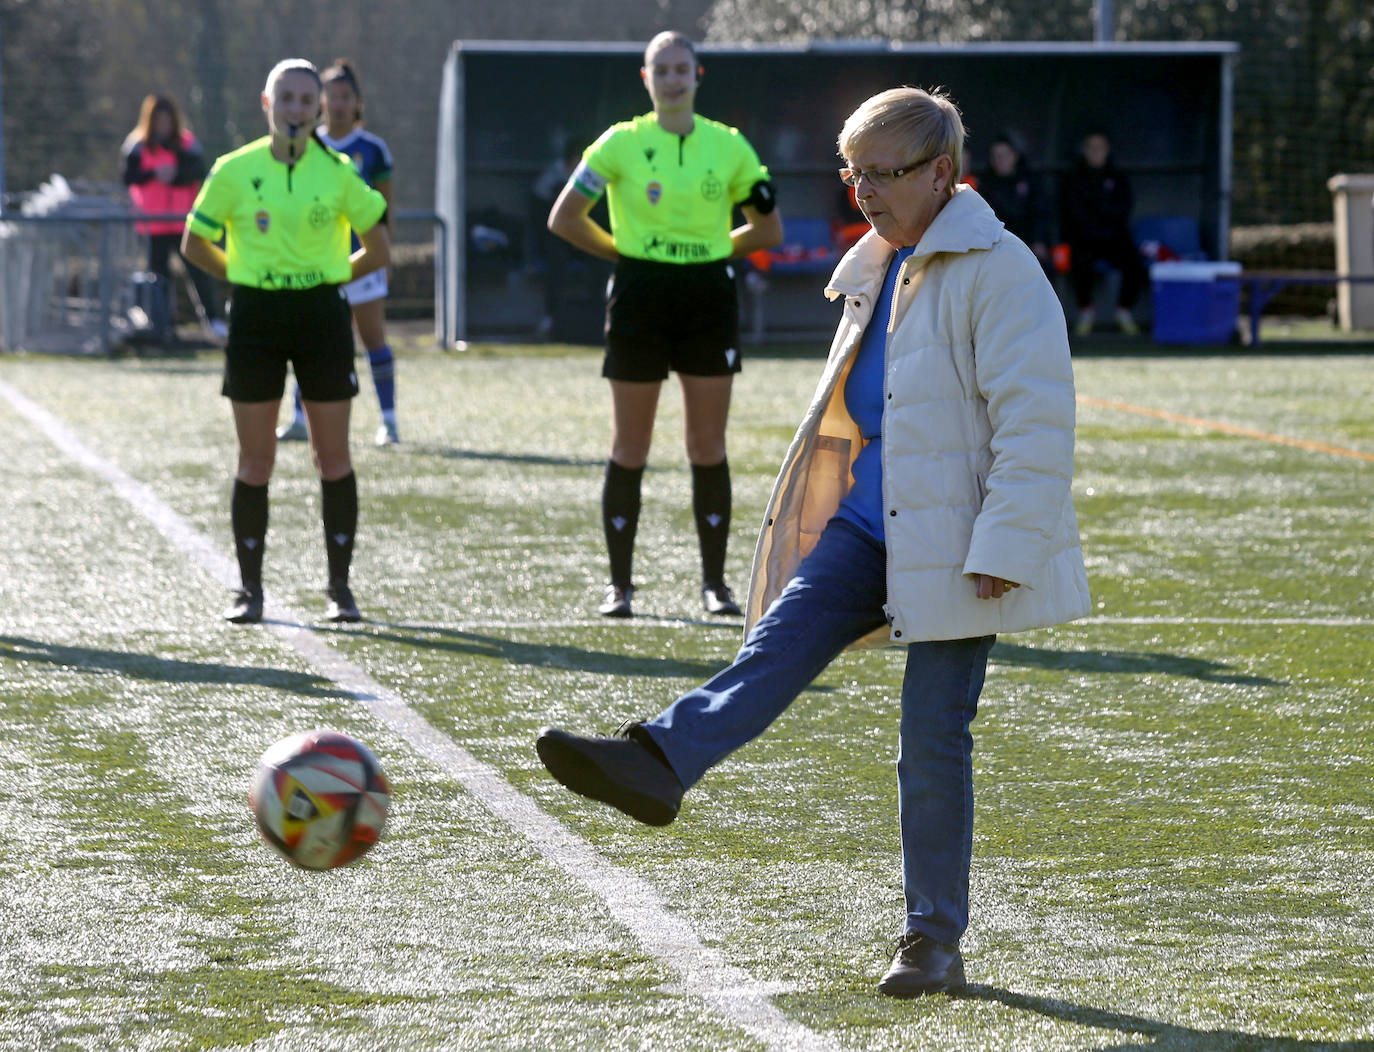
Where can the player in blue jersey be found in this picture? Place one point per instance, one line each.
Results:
(343, 131)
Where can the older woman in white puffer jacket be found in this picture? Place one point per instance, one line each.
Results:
(925, 501)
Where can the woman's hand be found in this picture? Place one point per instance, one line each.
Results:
(989, 587)
(758, 232)
(208, 257)
(569, 219)
(374, 255)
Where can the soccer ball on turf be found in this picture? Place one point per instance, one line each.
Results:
(320, 798)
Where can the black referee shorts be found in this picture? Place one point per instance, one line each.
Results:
(678, 316)
(311, 329)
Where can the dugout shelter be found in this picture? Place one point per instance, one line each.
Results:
(509, 110)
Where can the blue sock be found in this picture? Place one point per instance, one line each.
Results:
(299, 411)
(384, 378)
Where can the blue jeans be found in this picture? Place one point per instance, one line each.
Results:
(835, 598)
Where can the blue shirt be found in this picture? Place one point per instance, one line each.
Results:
(368, 153)
(864, 397)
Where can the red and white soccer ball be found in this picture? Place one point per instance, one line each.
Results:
(320, 798)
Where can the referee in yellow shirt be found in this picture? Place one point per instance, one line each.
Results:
(673, 179)
(285, 205)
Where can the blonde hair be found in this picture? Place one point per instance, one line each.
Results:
(668, 38)
(926, 122)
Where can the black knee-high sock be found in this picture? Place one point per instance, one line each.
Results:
(620, 517)
(339, 509)
(711, 507)
(248, 517)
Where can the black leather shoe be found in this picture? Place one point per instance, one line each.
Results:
(716, 599)
(624, 772)
(923, 966)
(246, 608)
(617, 601)
(339, 606)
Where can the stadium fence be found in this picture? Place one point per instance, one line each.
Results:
(68, 259)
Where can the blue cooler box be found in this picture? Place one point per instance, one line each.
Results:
(1195, 302)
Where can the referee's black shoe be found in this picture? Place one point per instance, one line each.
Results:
(616, 602)
(339, 606)
(246, 609)
(629, 771)
(716, 599)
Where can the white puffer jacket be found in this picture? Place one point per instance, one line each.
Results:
(977, 437)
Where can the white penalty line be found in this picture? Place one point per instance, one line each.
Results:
(631, 900)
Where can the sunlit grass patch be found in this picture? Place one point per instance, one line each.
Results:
(1175, 819)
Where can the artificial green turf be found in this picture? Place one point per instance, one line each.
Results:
(1175, 814)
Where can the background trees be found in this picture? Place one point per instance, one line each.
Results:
(1304, 90)
(74, 70)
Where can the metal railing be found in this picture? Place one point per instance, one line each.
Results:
(59, 256)
(64, 273)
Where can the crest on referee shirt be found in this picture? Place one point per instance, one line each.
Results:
(263, 220)
(654, 191)
(711, 187)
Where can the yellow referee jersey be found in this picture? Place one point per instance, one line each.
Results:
(670, 196)
(285, 226)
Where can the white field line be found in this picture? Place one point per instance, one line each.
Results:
(1243, 622)
(705, 973)
(696, 625)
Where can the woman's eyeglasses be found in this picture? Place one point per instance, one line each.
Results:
(880, 176)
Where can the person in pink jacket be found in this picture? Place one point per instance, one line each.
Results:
(163, 169)
(925, 501)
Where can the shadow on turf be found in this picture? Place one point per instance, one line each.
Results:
(551, 655)
(160, 669)
(1159, 1033)
(449, 453)
(1129, 662)
(541, 655)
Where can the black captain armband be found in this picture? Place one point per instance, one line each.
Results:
(763, 198)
